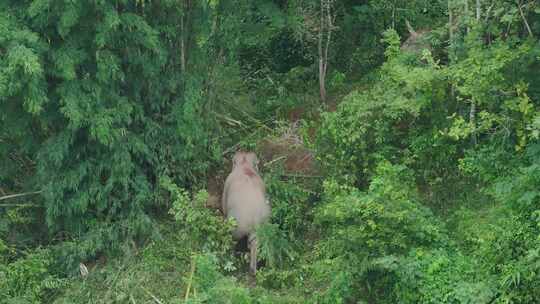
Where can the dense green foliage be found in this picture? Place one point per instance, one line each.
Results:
(416, 181)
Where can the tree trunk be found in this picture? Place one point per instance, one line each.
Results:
(466, 7)
(182, 45)
(325, 31)
(472, 113)
(185, 29)
(450, 22)
(322, 81)
(394, 15)
(472, 121)
(451, 44)
(322, 76)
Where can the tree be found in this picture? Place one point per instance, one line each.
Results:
(106, 99)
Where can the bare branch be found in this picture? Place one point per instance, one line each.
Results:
(19, 195)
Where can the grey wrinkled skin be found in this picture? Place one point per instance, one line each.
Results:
(244, 199)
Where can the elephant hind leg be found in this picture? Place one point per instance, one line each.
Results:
(252, 241)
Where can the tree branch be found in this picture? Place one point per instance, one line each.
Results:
(19, 195)
(524, 18)
(488, 12)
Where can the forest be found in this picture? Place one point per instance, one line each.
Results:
(399, 142)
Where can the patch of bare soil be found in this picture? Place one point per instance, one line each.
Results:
(290, 149)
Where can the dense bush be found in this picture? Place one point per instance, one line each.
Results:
(291, 204)
(386, 220)
(202, 226)
(364, 233)
(378, 123)
(441, 276)
(513, 254)
(29, 279)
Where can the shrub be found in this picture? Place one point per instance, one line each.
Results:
(29, 279)
(212, 286)
(513, 254)
(204, 227)
(364, 233)
(441, 276)
(385, 220)
(381, 121)
(273, 245)
(290, 205)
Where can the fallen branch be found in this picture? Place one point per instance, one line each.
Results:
(19, 195)
(19, 205)
(231, 121)
(273, 161)
(302, 176)
(151, 295)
